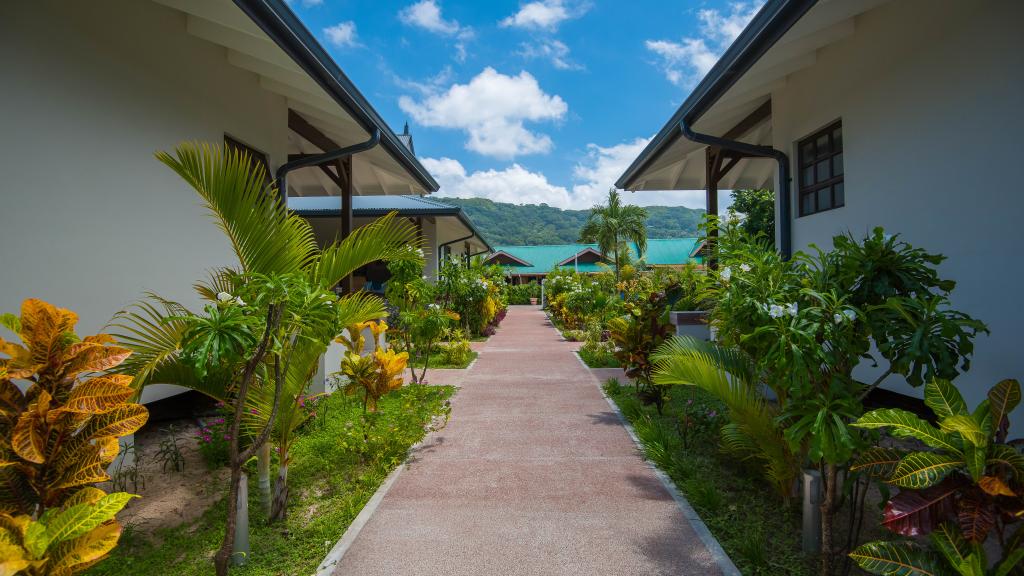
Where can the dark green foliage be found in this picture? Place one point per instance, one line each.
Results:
(758, 209)
(532, 224)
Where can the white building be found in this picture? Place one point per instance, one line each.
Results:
(90, 220)
(912, 110)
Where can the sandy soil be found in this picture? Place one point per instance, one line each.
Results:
(169, 498)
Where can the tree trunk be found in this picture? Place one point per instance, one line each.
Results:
(279, 509)
(263, 468)
(827, 510)
(220, 561)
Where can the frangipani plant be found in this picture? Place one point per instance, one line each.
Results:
(59, 431)
(969, 485)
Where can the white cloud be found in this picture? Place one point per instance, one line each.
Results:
(554, 51)
(492, 109)
(687, 61)
(426, 14)
(342, 34)
(544, 15)
(514, 184)
(307, 3)
(602, 166)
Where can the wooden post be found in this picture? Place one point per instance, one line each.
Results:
(712, 174)
(345, 173)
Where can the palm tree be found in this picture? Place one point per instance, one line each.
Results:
(613, 225)
(267, 240)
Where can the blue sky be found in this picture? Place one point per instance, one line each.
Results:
(528, 102)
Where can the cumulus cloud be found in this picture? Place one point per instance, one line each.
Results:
(342, 34)
(554, 51)
(544, 14)
(492, 110)
(597, 172)
(426, 14)
(514, 184)
(685, 62)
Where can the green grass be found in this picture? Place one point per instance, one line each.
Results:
(438, 361)
(758, 531)
(598, 359)
(330, 482)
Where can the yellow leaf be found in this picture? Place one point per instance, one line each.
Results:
(118, 422)
(108, 447)
(87, 495)
(993, 486)
(87, 469)
(91, 357)
(99, 395)
(12, 559)
(86, 549)
(27, 438)
(43, 328)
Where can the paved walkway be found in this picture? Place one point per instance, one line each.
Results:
(534, 475)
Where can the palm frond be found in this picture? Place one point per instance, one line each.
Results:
(383, 239)
(152, 329)
(359, 307)
(219, 280)
(266, 237)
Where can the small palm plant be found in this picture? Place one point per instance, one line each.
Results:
(969, 485)
(614, 224)
(58, 434)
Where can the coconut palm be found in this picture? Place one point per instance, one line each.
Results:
(267, 240)
(611, 226)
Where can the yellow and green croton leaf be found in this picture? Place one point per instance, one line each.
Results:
(903, 424)
(919, 470)
(897, 559)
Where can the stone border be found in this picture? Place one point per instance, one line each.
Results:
(705, 535)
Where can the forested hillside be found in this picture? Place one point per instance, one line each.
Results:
(542, 224)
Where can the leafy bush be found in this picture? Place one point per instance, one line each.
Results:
(57, 437)
(213, 438)
(521, 293)
(968, 485)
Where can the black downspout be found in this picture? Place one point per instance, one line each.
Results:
(440, 247)
(318, 159)
(785, 225)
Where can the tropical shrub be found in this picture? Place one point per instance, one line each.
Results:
(968, 485)
(639, 333)
(57, 437)
(521, 293)
(456, 351)
(374, 375)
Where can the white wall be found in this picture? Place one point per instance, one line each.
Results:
(930, 94)
(91, 90)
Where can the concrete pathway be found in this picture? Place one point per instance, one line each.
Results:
(534, 475)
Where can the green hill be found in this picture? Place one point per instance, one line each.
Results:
(532, 224)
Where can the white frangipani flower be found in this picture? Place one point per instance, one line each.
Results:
(776, 311)
(792, 309)
(837, 317)
(224, 296)
(239, 301)
(745, 267)
(726, 273)
(850, 313)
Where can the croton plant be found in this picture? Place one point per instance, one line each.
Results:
(61, 416)
(966, 492)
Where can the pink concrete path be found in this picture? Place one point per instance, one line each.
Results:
(534, 475)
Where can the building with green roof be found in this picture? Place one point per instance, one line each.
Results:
(528, 263)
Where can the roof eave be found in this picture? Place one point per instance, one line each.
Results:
(774, 19)
(287, 31)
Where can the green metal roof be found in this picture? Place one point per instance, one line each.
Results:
(542, 259)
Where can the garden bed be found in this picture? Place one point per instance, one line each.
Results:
(333, 474)
(437, 360)
(759, 533)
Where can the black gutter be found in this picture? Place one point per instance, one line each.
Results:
(318, 159)
(764, 30)
(785, 226)
(287, 31)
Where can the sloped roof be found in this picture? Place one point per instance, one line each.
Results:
(372, 206)
(544, 258)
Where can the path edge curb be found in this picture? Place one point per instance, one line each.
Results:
(725, 564)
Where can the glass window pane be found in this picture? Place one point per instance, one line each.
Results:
(839, 195)
(807, 152)
(837, 165)
(822, 145)
(824, 199)
(808, 176)
(837, 139)
(806, 204)
(823, 171)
